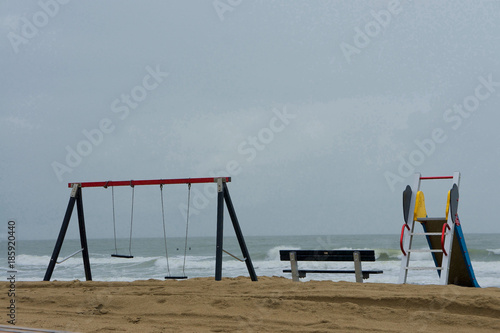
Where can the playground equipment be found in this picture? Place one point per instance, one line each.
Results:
(116, 255)
(170, 276)
(443, 234)
(222, 197)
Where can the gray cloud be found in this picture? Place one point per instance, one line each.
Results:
(322, 173)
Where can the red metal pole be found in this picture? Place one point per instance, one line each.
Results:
(401, 239)
(442, 177)
(445, 226)
(150, 182)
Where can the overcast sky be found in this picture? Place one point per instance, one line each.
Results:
(320, 111)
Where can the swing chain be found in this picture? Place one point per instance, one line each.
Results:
(114, 218)
(187, 228)
(131, 219)
(164, 227)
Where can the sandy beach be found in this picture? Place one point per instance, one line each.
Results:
(272, 304)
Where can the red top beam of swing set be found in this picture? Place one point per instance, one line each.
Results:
(151, 182)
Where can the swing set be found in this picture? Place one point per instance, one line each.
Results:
(222, 196)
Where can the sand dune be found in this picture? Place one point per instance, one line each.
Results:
(239, 305)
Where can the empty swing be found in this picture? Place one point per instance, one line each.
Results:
(116, 255)
(183, 276)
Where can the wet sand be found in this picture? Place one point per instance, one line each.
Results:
(272, 304)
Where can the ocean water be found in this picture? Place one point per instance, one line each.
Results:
(150, 262)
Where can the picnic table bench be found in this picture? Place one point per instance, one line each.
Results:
(356, 256)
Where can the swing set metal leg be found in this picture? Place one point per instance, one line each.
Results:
(239, 234)
(75, 197)
(220, 230)
(83, 236)
(223, 195)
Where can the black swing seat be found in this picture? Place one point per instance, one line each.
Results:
(175, 277)
(122, 256)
